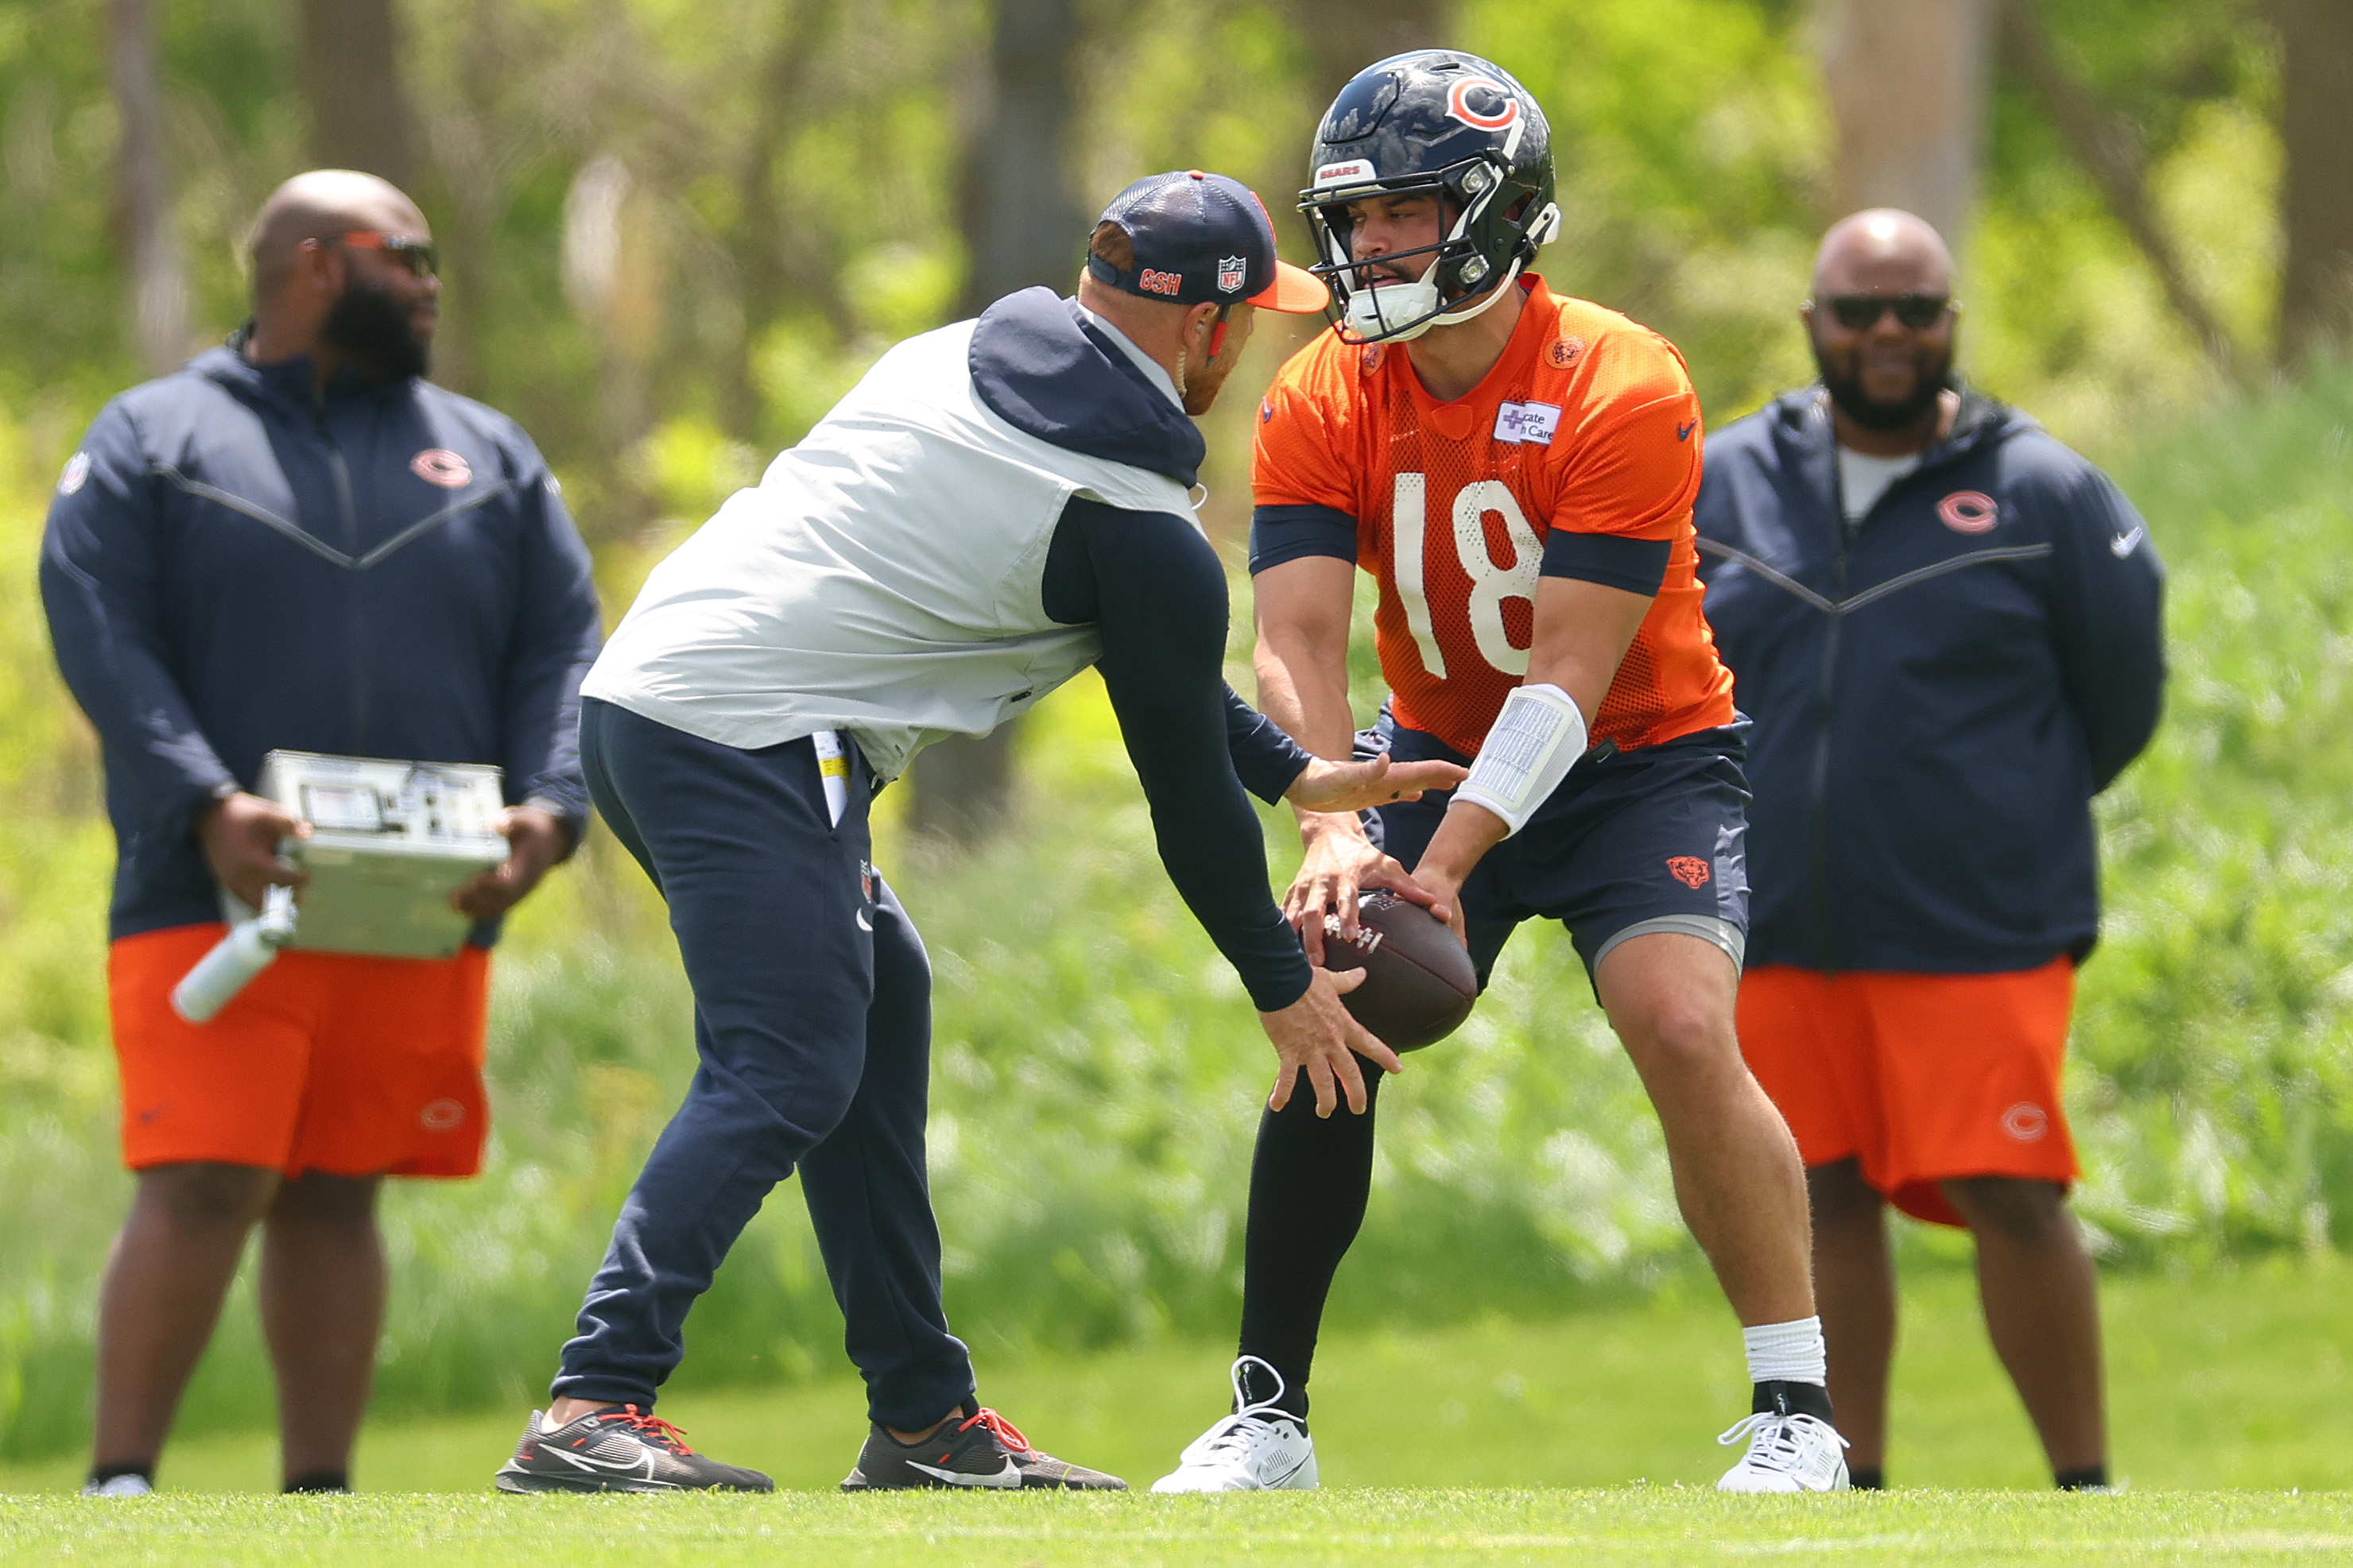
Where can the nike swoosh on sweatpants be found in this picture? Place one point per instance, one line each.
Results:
(2123, 544)
(1010, 1475)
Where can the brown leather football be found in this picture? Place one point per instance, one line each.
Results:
(1419, 983)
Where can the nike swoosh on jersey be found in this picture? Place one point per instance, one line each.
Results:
(2124, 544)
(1010, 1475)
(863, 924)
(1683, 431)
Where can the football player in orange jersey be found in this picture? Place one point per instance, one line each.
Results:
(1516, 469)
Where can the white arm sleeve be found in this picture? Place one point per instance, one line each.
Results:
(1535, 740)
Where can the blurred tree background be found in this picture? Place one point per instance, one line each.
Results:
(674, 234)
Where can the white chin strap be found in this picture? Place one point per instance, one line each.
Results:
(1534, 741)
(1419, 302)
(1369, 309)
(1415, 302)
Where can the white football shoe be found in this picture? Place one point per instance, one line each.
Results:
(1785, 1454)
(119, 1486)
(1260, 1447)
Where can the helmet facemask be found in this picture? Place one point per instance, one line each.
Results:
(1462, 280)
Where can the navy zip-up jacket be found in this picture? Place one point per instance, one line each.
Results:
(236, 562)
(1938, 698)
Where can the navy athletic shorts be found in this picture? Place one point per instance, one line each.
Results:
(1631, 843)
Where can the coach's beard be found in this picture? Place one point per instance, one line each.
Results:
(1932, 375)
(372, 327)
(1196, 401)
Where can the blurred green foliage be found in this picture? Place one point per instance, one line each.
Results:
(1098, 1069)
(768, 242)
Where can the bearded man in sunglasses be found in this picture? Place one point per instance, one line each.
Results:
(1948, 629)
(298, 543)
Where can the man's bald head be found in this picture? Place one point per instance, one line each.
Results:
(329, 281)
(1881, 321)
(1883, 250)
(320, 205)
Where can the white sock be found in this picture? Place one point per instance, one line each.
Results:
(1787, 1353)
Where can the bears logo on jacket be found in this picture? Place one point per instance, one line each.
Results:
(440, 466)
(1969, 511)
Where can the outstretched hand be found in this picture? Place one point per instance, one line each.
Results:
(1317, 1035)
(1357, 786)
(1340, 865)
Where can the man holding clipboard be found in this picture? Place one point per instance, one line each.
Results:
(299, 544)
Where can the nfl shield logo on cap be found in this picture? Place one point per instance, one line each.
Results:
(1231, 271)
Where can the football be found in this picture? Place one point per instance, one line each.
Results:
(1419, 985)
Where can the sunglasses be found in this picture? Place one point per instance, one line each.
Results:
(419, 255)
(1860, 313)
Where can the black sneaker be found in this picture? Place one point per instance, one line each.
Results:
(984, 1449)
(616, 1449)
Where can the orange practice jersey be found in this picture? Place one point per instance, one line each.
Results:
(1587, 423)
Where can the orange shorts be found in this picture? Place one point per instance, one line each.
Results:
(327, 1061)
(1916, 1077)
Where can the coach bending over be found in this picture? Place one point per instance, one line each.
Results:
(996, 506)
(1947, 628)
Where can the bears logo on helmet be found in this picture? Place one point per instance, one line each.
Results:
(1459, 105)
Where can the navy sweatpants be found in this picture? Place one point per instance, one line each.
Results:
(812, 1021)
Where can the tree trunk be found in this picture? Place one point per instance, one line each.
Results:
(1021, 228)
(1342, 41)
(2316, 86)
(347, 65)
(2110, 152)
(1908, 81)
(158, 302)
(773, 264)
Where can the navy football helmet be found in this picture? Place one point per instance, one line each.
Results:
(1441, 122)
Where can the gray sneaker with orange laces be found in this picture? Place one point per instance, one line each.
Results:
(984, 1449)
(616, 1449)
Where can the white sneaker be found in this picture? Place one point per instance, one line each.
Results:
(1260, 1447)
(118, 1486)
(1785, 1454)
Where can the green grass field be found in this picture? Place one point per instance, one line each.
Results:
(1582, 1439)
(1630, 1525)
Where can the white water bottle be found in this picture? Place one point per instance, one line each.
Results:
(250, 947)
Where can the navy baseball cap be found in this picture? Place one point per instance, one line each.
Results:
(1204, 239)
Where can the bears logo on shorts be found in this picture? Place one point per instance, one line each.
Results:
(1690, 870)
